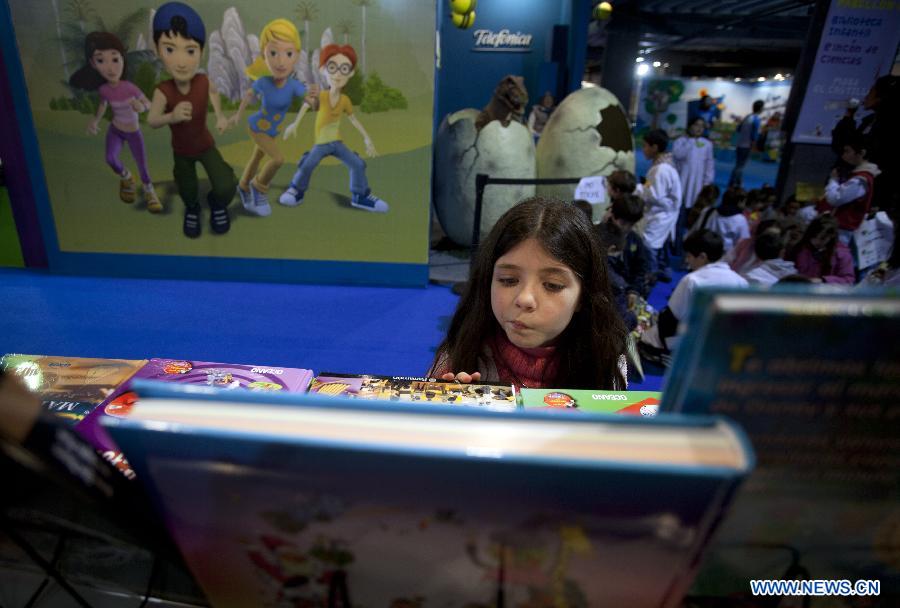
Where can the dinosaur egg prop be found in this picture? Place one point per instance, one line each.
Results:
(461, 153)
(587, 134)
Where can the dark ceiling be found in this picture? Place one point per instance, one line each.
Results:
(737, 38)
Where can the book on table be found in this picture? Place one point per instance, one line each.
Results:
(228, 376)
(415, 389)
(641, 403)
(302, 499)
(813, 377)
(70, 387)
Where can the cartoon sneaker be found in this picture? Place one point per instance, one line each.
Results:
(219, 220)
(153, 203)
(291, 197)
(192, 224)
(127, 189)
(246, 199)
(260, 202)
(369, 202)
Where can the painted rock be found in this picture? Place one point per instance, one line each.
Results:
(461, 153)
(587, 134)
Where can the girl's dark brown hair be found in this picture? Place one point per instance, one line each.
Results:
(823, 224)
(595, 338)
(87, 78)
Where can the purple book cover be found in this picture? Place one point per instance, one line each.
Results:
(227, 376)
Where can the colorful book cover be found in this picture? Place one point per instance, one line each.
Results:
(70, 387)
(227, 376)
(415, 389)
(637, 403)
(349, 502)
(813, 377)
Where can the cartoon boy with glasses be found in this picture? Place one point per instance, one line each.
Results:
(340, 65)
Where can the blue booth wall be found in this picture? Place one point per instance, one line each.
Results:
(467, 76)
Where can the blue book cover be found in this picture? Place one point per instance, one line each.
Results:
(813, 378)
(284, 500)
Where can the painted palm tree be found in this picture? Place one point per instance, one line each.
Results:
(81, 11)
(345, 28)
(59, 37)
(72, 36)
(307, 11)
(363, 4)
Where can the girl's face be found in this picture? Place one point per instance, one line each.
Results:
(280, 58)
(533, 295)
(822, 239)
(696, 128)
(109, 64)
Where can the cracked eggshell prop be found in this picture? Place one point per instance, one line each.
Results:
(461, 153)
(587, 134)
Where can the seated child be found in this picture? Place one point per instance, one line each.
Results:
(820, 254)
(727, 220)
(633, 263)
(742, 257)
(612, 237)
(537, 310)
(702, 252)
(707, 198)
(768, 245)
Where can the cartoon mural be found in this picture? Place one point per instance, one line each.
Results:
(197, 69)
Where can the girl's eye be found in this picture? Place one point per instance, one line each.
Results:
(115, 60)
(290, 54)
(272, 53)
(507, 281)
(192, 52)
(554, 287)
(98, 61)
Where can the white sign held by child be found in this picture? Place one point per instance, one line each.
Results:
(873, 240)
(591, 189)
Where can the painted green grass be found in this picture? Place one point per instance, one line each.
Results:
(90, 218)
(10, 250)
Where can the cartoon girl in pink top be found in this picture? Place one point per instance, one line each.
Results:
(104, 56)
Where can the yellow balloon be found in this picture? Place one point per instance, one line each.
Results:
(462, 7)
(602, 11)
(464, 22)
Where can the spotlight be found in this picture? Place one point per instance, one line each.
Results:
(761, 79)
(639, 59)
(656, 64)
(643, 69)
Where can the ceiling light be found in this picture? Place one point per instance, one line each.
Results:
(656, 64)
(643, 69)
(738, 79)
(761, 79)
(779, 77)
(639, 60)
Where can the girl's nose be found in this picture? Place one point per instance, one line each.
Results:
(525, 298)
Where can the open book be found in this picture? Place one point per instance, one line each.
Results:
(813, 377)
(276, 500)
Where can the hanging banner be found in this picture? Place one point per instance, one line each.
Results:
(859, 44)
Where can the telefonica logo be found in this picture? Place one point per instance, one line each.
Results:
(503, 41)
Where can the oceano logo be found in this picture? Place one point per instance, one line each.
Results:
(609, 397)
(266, 370)
(504, 40)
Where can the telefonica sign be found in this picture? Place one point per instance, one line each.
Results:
(503, 41)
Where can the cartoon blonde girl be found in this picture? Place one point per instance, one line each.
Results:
(104, 56)
(275, 87)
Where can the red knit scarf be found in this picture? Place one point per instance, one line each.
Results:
(528, 367)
